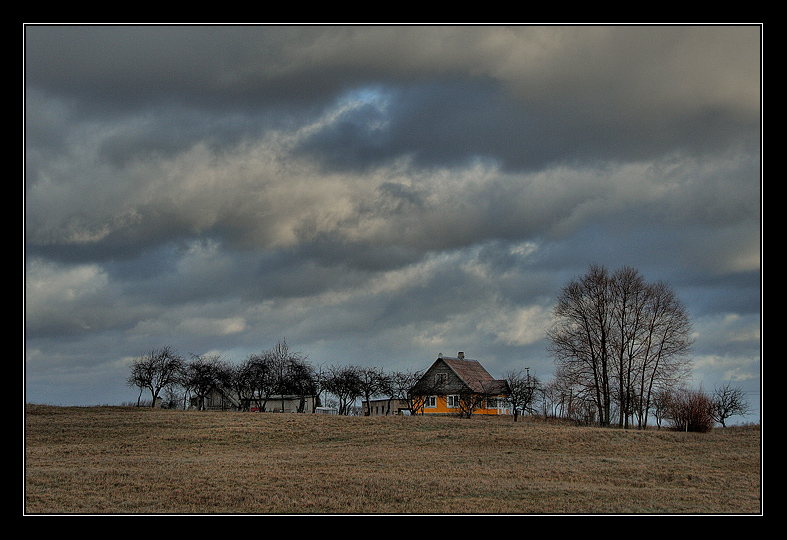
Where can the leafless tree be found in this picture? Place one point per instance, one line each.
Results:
(522, 390)
(402, 382)
(244, 384)
(468, 401)
(258, 376)
(553, 398)
(660, 405)
(171, 398)
(300, 380)
(320, 378)
(206, 374)
(423, 389)
(627, 293)
(285, 372)
(155, 371)
(279, 357)
(371, 382)
(728, 401)
(564, 397)
(580, 336)
(663, 361)
(344, 382)
(385, 388)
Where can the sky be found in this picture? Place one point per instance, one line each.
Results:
(377, 195)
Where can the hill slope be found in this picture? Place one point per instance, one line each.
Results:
(129, 460)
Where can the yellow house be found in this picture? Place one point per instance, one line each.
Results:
(459, 385)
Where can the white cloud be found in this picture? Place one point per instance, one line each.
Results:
(66, 296)
(518, 326)
(207, 326)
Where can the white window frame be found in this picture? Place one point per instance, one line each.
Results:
(500, 403)
(452, 401)
(430, 402)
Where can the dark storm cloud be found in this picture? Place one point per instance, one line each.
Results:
(449, 122)
(587, 95)
(111, 69)
(379, 194)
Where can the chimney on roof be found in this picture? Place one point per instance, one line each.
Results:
(461, 355)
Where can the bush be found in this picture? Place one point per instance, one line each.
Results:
(690, 410)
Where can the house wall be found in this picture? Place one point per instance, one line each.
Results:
(451, 383)
(289, 404)
(385, 407)
(441, 407)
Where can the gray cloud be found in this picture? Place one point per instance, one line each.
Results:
(379, 194)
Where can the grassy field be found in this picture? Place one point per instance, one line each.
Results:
(99, 460)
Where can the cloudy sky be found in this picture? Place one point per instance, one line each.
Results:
(379, 195)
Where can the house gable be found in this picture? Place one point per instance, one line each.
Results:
(452, 375)
(440, 378)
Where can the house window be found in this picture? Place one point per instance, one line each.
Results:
(497, 403)
(441, 378)
(453, 401)
(430, 402)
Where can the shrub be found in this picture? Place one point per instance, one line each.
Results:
(690, 410)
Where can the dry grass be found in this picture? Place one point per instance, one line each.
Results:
(127, 460)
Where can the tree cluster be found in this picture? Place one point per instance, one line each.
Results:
(688, 409)
(616, 341)
(278, 371)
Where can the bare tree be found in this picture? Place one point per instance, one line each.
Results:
(258, 370)
(206, 374)
(300, 380)
(371, 382)
(660, 405)
(243, 384)
(320, 378)
(467, 401)
(386, 388)
(155, 371)
(581, 333)
(344, 382)
(424, 389)
(728, 401)
(564, 397)
(171, 399)
(522, 390)
(279, 358)
(666, 342)
(553, 398)
(141, 374)
(627, 290)
(402, 382)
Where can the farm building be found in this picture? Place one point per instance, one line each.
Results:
(287, 403)
(221, 401)
(459, 385)
(385, 407)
